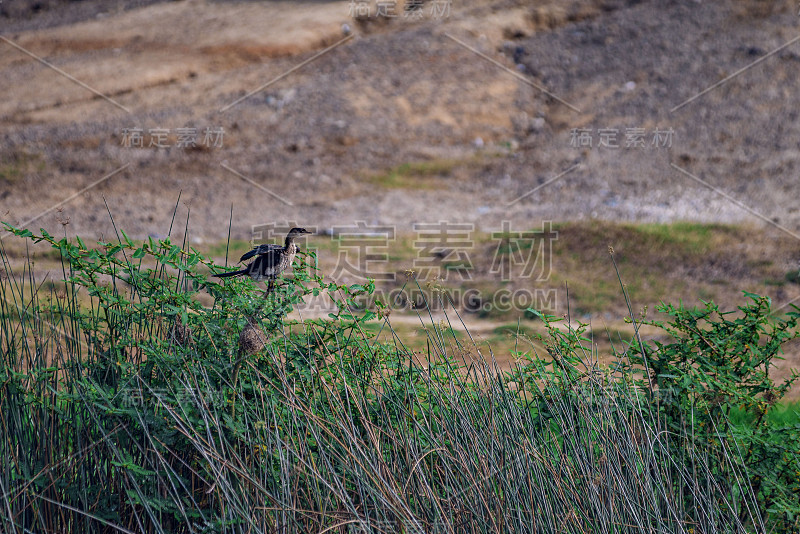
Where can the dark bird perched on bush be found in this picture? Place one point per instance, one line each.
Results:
(271, 260)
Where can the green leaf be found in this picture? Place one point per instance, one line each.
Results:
(752, 296)
(173, 252)
(127, 239)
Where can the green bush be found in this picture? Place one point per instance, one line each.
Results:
(127, 405)
(718, 364)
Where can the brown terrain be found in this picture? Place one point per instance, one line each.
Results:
(466, 115)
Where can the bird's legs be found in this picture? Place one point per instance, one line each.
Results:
(270, 287)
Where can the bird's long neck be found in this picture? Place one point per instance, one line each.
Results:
(288, 245)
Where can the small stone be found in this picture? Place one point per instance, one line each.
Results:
(288, 95)
(537, 124)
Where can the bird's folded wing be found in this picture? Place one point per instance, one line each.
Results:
(260, 249)
(269, 262)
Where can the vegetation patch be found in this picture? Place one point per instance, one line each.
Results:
(415, 175)
(144, 409)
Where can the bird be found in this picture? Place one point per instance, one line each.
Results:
(271, 260)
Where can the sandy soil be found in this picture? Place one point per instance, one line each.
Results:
(324, 137)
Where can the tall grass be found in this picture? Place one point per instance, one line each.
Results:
(127, 405)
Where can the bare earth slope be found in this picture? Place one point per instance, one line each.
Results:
(327, 137)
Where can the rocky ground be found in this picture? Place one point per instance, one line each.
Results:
(468, 137)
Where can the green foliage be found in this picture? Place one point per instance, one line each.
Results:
(16, 166)
(129, 402)
(693, 237)
(415, 174)
(719, 365)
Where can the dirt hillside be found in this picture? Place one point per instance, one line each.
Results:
(401, 123)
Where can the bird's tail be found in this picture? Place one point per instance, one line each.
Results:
(232, 273)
